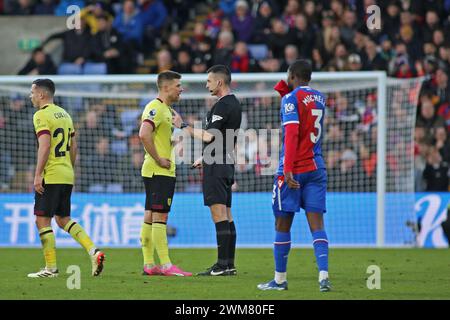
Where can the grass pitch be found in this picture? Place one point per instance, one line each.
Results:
(405, 274)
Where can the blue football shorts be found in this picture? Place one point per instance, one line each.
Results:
(311, 196)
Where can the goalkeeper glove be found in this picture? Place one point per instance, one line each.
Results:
(282, 88)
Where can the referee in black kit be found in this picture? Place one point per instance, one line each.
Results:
(218, 174)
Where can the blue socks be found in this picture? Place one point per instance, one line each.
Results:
(281, 248)
(320, 243)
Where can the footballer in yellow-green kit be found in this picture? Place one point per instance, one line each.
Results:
(158, 173)
(54, 178)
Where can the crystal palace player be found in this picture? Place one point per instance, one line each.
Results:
(301, 179)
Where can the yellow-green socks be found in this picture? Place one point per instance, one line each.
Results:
(159, 237)
(147, 243)
(49, 246)
(77, 232)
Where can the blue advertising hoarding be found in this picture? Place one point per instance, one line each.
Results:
(114, 220)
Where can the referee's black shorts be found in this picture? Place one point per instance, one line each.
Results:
(54, 201)
(217, 190)
(217, 182)
(159, 192)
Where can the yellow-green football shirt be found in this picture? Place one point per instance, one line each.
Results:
(159, 115)
(56, 122)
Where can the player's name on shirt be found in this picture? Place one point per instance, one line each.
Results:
(313, 98)
(59, 115)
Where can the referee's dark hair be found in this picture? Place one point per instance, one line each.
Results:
(46, 84)
(301, 69)
(222, 70)
(168, 75)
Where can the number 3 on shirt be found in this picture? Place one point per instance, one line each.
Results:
(318, 114)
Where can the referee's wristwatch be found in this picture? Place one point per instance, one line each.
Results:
(183, 125)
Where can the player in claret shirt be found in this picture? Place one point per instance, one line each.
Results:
(301, 179)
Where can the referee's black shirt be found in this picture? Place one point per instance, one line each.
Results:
(225, 114)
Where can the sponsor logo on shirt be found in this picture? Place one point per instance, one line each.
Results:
(289, 107)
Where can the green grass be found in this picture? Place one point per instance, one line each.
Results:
(405, 274)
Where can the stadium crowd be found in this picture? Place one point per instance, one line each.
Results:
(247, 36)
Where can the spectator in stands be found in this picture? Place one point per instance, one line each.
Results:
(45, 7)
(262, 24)
(183, 63)
(438, 37)
(242, 22)
(442, 143)
(345, 113)
(224, 48)
(428, 119)
(317, 60)
(375, 61)
(204, 52)
(110, 48)
(339, 62)
(348, 27)
(350, 176)
(391, 21)
(164, 62)
(39, 63)
(436, 173)
(412, 43)
(442, 87)
(213, 23)
(290, 11)
(255, 6)
(76, 44)
(102, 175)
(290, 55)
(241, 61)
(279, 38)
(153, 14)
(432, 23)
(303, 36)
(175, 44)
(179, 12)
(199, 65)
(130, 25)
(19, 135)
(92, 13)
(270, 64)
(328, 41)
(354, 63)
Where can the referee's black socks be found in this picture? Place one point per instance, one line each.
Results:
(223, 235)
(232, 247)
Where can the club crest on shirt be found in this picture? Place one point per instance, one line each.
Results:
(289, 107)
(216, 118)
(280, 181)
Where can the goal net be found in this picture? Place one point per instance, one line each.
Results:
(367, 146)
